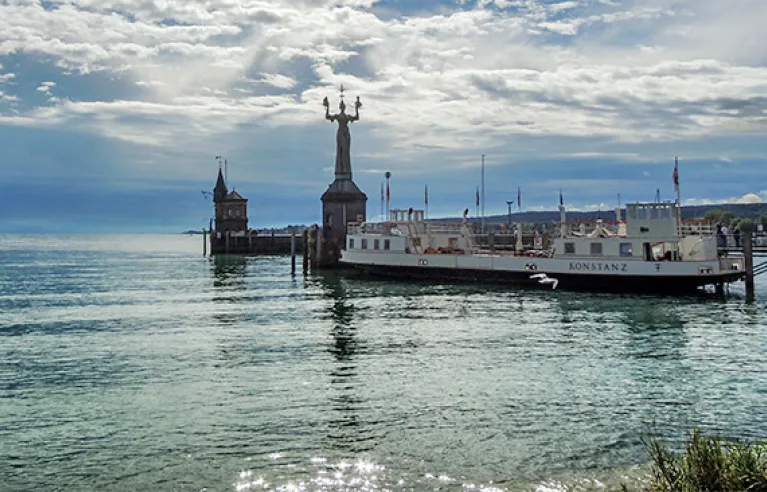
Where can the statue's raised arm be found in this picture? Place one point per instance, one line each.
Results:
(357, 106)
(327, 110)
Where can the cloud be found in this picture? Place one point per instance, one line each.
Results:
(748, 198)
(584, 81)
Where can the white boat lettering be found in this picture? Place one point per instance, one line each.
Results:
(591, 266)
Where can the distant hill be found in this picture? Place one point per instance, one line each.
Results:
(748, 210)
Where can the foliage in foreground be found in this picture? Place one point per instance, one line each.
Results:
(708, 463)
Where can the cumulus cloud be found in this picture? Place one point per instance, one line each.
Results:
(464, 76)
(748, 198)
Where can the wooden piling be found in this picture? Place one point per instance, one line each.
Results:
(250, 241)
(226, 243)
(491, 243)
(293, 250)
(318, 244)
(204, 243)
(748, 257)
(306, 250)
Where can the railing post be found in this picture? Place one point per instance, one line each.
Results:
(748, 256)
(204, 243)
(292, 249)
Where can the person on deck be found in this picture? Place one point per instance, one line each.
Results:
(720, 237)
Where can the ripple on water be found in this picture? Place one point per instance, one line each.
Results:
(126, 365)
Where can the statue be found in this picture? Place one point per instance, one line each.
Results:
(343, 137)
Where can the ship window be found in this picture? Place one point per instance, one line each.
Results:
(654, 213)
(376, 244)
(596, 248)
(364, 244)
(351, 243)
(387, 244)
(641, 213)
(569, 248)
(626, 249)
(452, 242)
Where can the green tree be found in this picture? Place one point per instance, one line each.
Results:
(714, 215)
(727, 217)
(747, 225)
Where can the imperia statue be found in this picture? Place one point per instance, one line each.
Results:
(343, 137)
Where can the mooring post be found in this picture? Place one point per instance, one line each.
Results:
(491, 243)
(318, 254)
(250, 241)
(226, 245)
(292, 249)
(204, 242)
(305, 248)
(748, 257)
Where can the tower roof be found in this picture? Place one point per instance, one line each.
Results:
(234, 196)
(220, 192)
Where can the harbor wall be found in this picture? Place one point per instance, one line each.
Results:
(253, 243)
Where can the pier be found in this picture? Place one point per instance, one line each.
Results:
(748, 245)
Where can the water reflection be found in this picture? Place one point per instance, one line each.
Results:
(229, 282)
(347, 429)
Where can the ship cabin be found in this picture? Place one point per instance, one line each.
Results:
(651, 232)
(407, 231)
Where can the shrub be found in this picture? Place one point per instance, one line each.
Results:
(708, 463)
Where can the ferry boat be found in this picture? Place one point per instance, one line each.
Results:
(651, 251)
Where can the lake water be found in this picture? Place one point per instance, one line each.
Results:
(133, 363)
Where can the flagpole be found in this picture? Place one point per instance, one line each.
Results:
(426, 200)
(483, 194)
(383, 217)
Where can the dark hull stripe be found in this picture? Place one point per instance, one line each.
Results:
(604, 283)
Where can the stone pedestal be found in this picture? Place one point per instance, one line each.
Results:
(342, 203)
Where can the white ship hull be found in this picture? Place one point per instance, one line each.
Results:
(573, 273)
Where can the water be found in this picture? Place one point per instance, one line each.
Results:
(132, 363)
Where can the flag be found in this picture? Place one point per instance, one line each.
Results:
(388, 194)
(519, 197)
(382, 191)
(478, 196)
(426, 195)
(561, 200)
(676, 174)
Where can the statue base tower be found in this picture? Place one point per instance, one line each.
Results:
(342, 203)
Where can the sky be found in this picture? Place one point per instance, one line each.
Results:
(112, 111)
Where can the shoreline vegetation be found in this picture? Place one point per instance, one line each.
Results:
(706, 463)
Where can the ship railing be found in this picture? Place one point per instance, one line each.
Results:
(697, 227)
(384, 228)
(583, 228)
